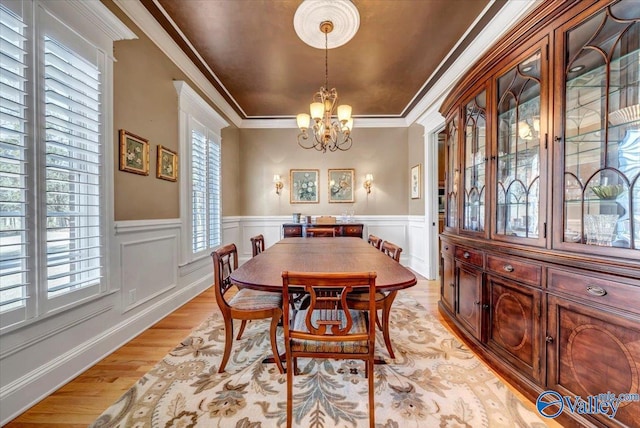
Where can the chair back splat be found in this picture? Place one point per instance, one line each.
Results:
(391, 250)
(375, 241)
(328, 327)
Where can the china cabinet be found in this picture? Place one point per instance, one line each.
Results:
(541, 245)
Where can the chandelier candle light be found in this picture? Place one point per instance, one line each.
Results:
(328, 134)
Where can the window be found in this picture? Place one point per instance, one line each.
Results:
(53, 157)
(200, 151)
(205, 190)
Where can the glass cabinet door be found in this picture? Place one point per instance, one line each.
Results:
(601, 195)
(518, 152)
(452, 173)
(475, 160)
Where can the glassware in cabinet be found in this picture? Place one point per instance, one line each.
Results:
(601, 197)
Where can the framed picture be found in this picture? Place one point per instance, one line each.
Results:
(167, 164)
(415, 182)
(303, 186)
(341, 185)
(134, 153)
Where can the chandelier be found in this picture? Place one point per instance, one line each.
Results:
(326, 132)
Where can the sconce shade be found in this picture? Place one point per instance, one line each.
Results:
(368, 177)
(276, 178)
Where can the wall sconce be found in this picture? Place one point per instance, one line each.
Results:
(278, 183)
(368, 182)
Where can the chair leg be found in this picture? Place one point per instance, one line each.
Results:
(386, 310)
(228, 342)
(378, 323)
(274, 345)
(372, 406)
(242, 326)
(290, 370)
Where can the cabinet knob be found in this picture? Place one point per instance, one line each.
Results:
(452, 284)
(466, 255)
(485, 306)
(477, 303)
(557, 139)
(446, 247)
(508, 268)
(549, 339)
(594, 290)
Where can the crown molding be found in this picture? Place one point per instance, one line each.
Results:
(147, 23)
(290, 123)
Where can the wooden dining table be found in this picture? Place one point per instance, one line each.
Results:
(339, 254)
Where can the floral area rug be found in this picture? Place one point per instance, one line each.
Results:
(435, 381)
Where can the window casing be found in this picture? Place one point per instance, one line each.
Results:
(54, 164)
(200, 159)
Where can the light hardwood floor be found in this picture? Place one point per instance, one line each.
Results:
(82, 400)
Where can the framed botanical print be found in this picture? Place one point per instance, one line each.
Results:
(415, 182)
(134, 153)
(341, 185)
(167, 164)
(303, 186)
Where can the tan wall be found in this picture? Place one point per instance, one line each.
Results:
(230, 180)
(380, 151)
(146, 104)
(416, 156)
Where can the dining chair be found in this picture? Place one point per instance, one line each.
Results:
(329, 327)
(257, 244)
(245, 304)
(320, 231)
(391, 250)
(375, 241)
(383, 300)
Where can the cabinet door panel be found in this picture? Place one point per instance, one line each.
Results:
(469, 307)
(514, 324)
(447, 291)
(600, 132)
(593, 352)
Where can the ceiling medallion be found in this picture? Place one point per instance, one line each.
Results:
(328, 134)
(343, 14)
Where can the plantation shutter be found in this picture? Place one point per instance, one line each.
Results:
(14, 249)
(73, 167)
(215, 238)
(199, 190)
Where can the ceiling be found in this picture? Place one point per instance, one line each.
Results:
(250, 52)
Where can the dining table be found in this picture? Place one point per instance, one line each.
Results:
(317, 254)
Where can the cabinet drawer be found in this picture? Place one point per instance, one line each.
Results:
(448, 248)
(469, 256)
(596, 289)
(352, 231)
(292, 231)
(520, 270)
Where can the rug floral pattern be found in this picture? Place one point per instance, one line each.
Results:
(434, 381)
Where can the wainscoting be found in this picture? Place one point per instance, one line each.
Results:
(147, 279)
